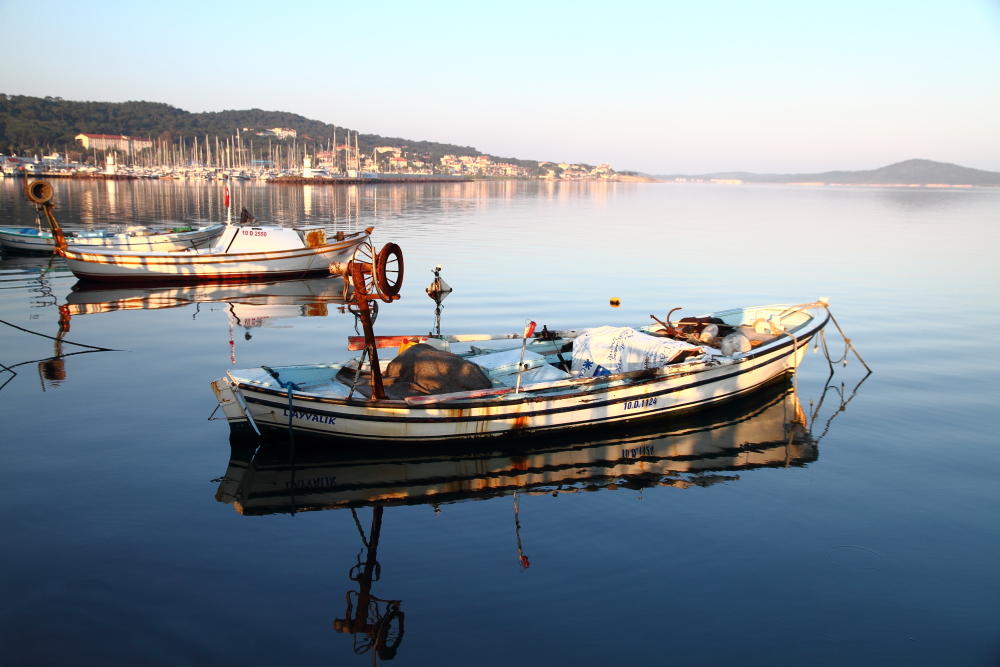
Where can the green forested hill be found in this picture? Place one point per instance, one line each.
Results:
(34, 124)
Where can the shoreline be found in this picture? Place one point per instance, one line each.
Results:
(406, 179)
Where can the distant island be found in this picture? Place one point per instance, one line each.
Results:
(926, 173)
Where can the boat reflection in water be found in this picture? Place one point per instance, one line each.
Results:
(765, 429)
(35, 273)
(252, 304)
(248, 305)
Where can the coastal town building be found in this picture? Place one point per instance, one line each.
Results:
(338, 159)
(113, 142)
(480, 165)
(280, 132)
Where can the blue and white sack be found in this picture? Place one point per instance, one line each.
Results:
(611, 350)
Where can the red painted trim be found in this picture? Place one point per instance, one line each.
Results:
(358, 342)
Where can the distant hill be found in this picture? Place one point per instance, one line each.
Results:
(29, 125)
(909, 172)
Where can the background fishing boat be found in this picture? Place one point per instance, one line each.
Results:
(240, 254)
(243, 252)
(132, 238)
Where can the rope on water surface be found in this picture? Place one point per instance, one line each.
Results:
(13, 373)
(93, 347)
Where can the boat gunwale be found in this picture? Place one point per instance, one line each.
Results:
(9, 230)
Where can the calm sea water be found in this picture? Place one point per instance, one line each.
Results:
(874, 540)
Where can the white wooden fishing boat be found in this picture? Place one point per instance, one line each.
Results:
(554, 389)
(243, 252)
(137, 239)
(240, 253)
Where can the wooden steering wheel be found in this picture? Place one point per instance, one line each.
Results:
(363, 259)
(381, 272)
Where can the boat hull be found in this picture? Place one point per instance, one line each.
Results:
(15, 240)
(750, 433)
(100, 266)
(657, 395)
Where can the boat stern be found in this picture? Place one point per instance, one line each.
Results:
(233, 405)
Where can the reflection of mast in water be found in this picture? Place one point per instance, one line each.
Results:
(381, 629)
(53, 370)
(521, 558)
(232, 343)
(44, 289)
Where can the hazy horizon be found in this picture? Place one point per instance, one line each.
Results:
(780, 88)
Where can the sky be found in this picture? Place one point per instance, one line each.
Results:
(659, 87)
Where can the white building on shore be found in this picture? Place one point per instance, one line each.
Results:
(113, 142)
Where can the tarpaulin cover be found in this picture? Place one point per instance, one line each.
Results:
(421, 369)
(610, 350)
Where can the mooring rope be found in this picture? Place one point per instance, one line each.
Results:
(288, 386)
(361, 531)
(13, 373)
(93, 347)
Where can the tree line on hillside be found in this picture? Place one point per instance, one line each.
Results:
(29, 125)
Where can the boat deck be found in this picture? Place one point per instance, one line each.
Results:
(546, 372)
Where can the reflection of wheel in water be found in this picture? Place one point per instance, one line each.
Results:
(389, 271)
(389, 635)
